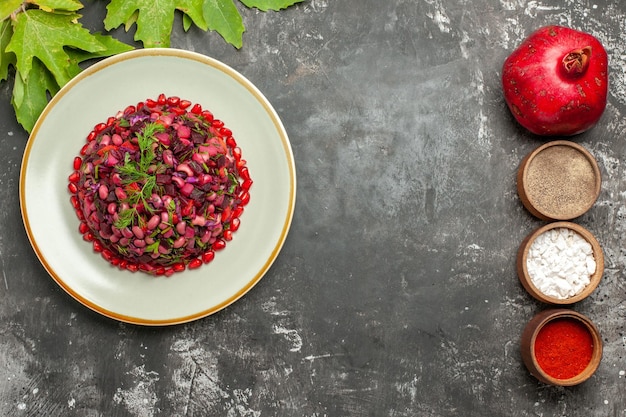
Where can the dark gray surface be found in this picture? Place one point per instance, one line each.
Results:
(395, 293)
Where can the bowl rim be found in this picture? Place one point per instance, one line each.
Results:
(527, 199)
(529, 337)
(524, 276)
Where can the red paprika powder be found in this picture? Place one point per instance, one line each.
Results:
(563, 348)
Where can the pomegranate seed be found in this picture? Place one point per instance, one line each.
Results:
(186, 211)
(195, 263)
(91, 136)
(97, 246)
(183, 104)
(72, 187)
(246, 184)
(99, 127)
(228, 235)
(78, 162)
(178, 267)
(244, 197)
(236, 151)
(130, 109)
(244, 173)
(132, 267)
(226, 132)
(208, 256)
(150, 103)
(83, 228)
(74, 177)
(110, 121)
(226, 214)
(196, 109)
(173, 101)
(162, 100)
(234, 224)
(75, 202)
(178, 111)
(107, 255)
(217, 123)
(89, 237)
(218, 244)
(208, 116)
(231, 142)
(237, 212)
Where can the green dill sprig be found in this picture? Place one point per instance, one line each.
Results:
(139, 174)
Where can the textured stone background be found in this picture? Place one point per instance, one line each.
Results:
(395, 293)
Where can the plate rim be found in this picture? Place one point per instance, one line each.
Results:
(234, 75)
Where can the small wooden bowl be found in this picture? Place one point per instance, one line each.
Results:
(522, 259)
(529, 337)
(559, 180)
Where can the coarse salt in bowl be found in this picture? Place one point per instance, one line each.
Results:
(560, 263)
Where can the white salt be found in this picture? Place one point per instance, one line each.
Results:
(560, 263)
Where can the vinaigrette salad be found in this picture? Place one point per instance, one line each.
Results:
(159, 187)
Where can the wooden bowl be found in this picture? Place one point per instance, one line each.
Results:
(529, 337)
(522, 264)
(559, 180)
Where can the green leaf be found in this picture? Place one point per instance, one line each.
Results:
(43, 41)
(154, 18)
(30, 96)
(131, 21)
(193, 9)
(66, 5)
(7, 7)
(265, 5)
(187, 22)
(223, 17)
(77, 56)
(43, 35)
(6, 58)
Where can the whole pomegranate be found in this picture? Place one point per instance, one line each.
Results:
(556, 81)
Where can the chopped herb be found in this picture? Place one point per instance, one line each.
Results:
(138, 172)
(154, 248)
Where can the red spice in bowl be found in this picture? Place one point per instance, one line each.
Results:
(561, 347)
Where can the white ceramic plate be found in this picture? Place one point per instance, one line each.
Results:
(101, 91)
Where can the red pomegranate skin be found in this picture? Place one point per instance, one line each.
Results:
(555, 83)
